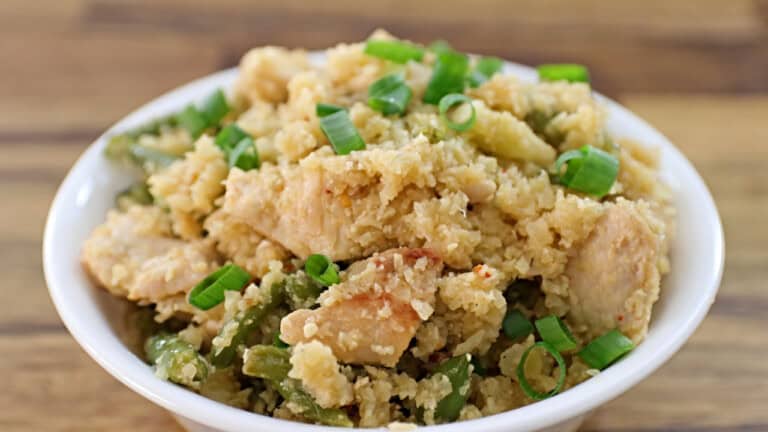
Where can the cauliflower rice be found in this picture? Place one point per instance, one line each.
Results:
(436, 236)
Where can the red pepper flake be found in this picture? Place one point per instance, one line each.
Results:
(487, 275)
(620, 317)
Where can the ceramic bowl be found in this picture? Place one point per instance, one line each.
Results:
(93, 319)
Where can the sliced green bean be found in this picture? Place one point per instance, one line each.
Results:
(125, 149)
(291, 391)
(457, 371)
(246, 323)
(138, 193)
(273, 364)
(301, 290)
(172, 358)
(267, 362)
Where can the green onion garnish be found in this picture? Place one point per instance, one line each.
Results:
(192, 120)
(478, 367)
(278, 342)
(590, 170)
(245, 155)
(320, 268)
(323, 109)
(210, 291)
(389, 95)
(440, 46)
(447, 76)
(449, 101)
(485, 68)
(516, 325)
(526, 386)
(394, 50)
(215, 108)
(606, 349)
(341, 133)
(195, 120)
(555, 333)
(563, 72)
(229, 136)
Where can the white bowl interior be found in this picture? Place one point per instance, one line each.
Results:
(89, 190)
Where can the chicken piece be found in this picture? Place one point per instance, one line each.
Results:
(133, 255)
(614, 276)
(372, 315)
(244, 246)
(319, 206)
(176, 271)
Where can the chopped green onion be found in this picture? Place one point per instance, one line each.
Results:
(320, 268)
(215, 108)
(210, 291)
(440, 46)
(230, 136)
(389, 95)
(555, 333)
(449, 101)
(516, 325)
(606, 349)
(526, 386)
(563, 72)
(341, 133)
(485, 68)
(245, 155)
(193, 121)
(323, 109)
(478, 367)
(394, 50)
(278, 342)
(590, 170)
(447, 76)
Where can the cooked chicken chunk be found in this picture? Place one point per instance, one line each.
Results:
(372, 315)
(319, 207)
(614, 276)
(133, 255)
(244, 246)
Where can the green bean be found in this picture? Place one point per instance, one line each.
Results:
(457, 371)
(291, 391)
(267, 362)
(138, 193)
(302, 290)
(273, 364)
(246, 322)
(126, 150)
(172, 357)
(154, 127)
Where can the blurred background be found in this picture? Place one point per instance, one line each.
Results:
(696, 69)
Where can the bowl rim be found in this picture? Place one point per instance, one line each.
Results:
(135, 374)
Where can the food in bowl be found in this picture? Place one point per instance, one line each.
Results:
(401, 234)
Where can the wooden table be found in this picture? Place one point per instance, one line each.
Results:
(698, 70)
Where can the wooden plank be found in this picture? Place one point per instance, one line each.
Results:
(721, 366)
(72, 67)
(95, 79)
(56, 386)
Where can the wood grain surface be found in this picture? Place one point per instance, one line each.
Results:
(696, 69)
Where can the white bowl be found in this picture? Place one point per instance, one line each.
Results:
(89, 190)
